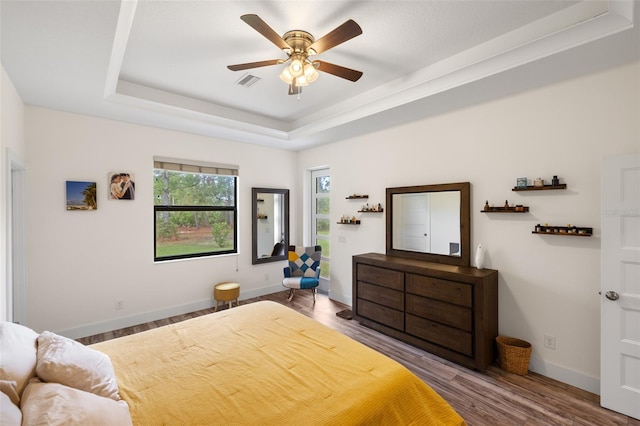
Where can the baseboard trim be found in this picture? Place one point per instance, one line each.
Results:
(565, 375)
(135, 319)
(339, 297)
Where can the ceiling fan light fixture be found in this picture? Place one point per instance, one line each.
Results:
(297, 66)
(302, 81)
(310, 72)
(299, 45)
(286, 76)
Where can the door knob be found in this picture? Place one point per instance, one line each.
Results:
(612, 295)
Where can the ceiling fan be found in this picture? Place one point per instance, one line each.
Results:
(299, 46)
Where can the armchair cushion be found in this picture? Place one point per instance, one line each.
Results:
(300, 282)
(304, 261)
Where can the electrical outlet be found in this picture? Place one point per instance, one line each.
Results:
(549, 341)
(119, 305)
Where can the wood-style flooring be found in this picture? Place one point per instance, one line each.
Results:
(492, 397)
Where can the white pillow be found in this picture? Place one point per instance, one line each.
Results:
(10, 414)
(17, 354)
(9, 388)
(56, 404)
(65, 361)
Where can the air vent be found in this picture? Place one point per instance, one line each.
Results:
(247, 80)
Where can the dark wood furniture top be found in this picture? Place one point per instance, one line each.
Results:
(451, 311)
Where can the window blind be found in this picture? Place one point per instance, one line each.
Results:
(191, 166)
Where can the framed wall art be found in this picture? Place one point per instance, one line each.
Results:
(122, 186)
(82, 195)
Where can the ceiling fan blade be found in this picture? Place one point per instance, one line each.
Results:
(248, 65)
(344, 32)
(337, 70)
(260, 26)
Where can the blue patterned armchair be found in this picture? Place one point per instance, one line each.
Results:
(303, 271)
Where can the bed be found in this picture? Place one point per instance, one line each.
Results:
(264, 363)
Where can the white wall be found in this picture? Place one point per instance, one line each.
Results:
(547, 284)
(81, 263)
(11, 143)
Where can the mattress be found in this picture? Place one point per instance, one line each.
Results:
(264, 363)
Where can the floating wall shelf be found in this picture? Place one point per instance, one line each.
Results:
(356, 197)
(357, 222)
(568, 231)
(517, 209)
(540, 188)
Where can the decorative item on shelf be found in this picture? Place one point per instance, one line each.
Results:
(262, 216)
(521, 182)
(538, 184)
(371, 209)
(519, 208)
(348, 220)
(568, 230)
(480, 255)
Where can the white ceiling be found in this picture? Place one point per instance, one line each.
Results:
(163, 63)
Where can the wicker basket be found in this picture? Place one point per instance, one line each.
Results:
(513, 354)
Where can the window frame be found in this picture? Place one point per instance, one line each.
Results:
(161, 208)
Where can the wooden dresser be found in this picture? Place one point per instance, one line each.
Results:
(450, 311)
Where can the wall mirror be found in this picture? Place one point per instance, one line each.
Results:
(270, 230)
(430, 222)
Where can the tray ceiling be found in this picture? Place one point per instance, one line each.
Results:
(163, 63)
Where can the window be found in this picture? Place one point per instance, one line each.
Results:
(195, 209)
(320, 211)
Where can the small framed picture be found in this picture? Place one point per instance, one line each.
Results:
(521, 182)
(122, 186)
(81, 195)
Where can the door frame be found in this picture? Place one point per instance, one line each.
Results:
(16, 239)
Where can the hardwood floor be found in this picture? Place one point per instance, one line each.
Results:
(491, 397)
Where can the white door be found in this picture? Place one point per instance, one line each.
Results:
(620, 285)
(415, 226)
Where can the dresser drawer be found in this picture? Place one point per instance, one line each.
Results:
(382, 314)
(444, 313)
(447, 291)
(381, 276)
(448, 337)
(381, 295)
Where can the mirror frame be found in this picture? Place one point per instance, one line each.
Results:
(254, 222)
(465, 224)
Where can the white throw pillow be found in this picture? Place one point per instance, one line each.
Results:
(10, 414)
(56, 404)
(65, 361)
(17, 354)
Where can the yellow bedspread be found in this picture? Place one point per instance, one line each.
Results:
(265, 364)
